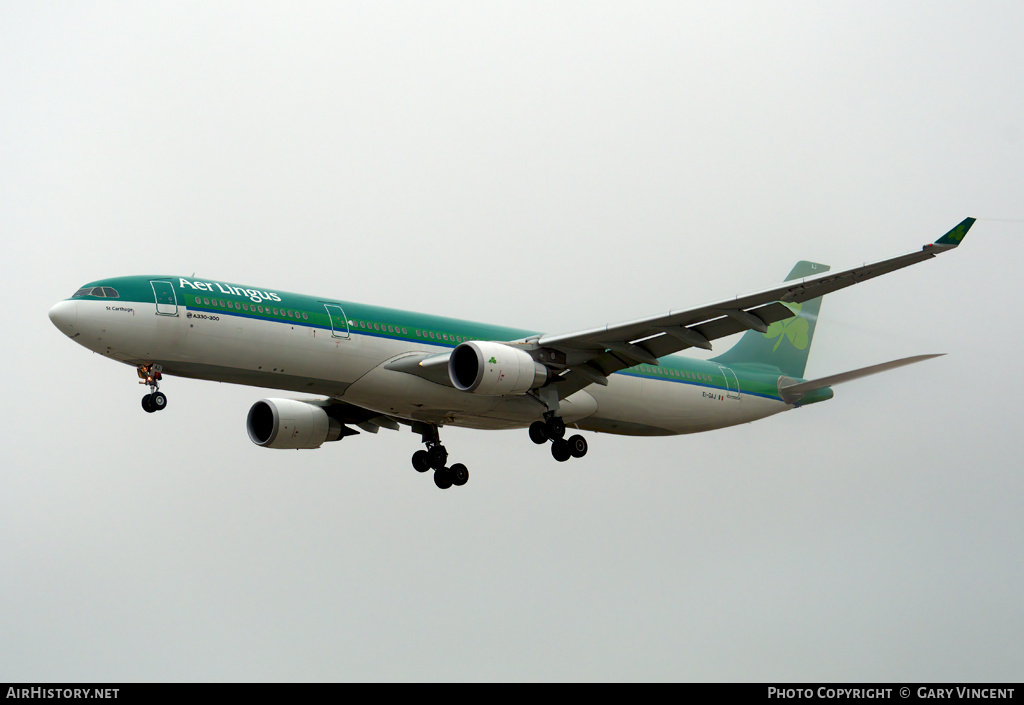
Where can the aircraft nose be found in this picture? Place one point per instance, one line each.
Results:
(65, 316)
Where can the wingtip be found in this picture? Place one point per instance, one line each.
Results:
(955, 236)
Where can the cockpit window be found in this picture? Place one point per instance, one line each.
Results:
(101, 291)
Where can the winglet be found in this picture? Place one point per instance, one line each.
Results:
(956, 235)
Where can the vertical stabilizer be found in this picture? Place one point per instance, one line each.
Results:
(787, 343)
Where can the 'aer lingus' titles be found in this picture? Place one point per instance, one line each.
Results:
(252, 294)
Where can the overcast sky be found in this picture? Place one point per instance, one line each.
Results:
(554, 166)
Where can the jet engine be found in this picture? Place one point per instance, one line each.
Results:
(287, 423)
(494, 369)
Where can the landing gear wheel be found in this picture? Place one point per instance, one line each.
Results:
(421, 461)
(158, 401)
(554, 427)
(561, 450)
(538, 433)
(459, 474)
(577, 446)
(443, 478)
(437, 456)
(150, 376)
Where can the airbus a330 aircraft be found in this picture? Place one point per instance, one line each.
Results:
(373, 367)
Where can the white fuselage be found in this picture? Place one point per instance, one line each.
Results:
(287, 355)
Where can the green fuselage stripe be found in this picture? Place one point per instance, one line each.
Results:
(396, 324)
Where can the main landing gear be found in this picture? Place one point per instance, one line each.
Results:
(434, 458)
(155, 400)
(552, 428)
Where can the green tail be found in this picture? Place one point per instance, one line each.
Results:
(787, 343)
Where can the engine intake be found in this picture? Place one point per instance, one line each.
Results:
(291, 424)
(494, 369)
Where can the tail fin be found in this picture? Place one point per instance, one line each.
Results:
(787, 343)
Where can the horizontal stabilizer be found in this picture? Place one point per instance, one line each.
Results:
(793, 392)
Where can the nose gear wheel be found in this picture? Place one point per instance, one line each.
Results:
(150, 375)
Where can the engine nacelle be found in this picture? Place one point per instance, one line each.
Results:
(287, 423)
(493, 369)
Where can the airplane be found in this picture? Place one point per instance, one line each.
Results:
(370, 367)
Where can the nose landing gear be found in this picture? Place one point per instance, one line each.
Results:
(552, 428)
(150, 376)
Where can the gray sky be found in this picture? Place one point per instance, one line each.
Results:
(546, 165)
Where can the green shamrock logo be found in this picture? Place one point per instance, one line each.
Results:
(796, 329)
(492, 361)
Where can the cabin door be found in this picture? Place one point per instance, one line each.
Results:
(732, 385)
(166, 302)
(339, 322)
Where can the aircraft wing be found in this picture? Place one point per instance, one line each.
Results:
(591, 355)
(351, 415)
